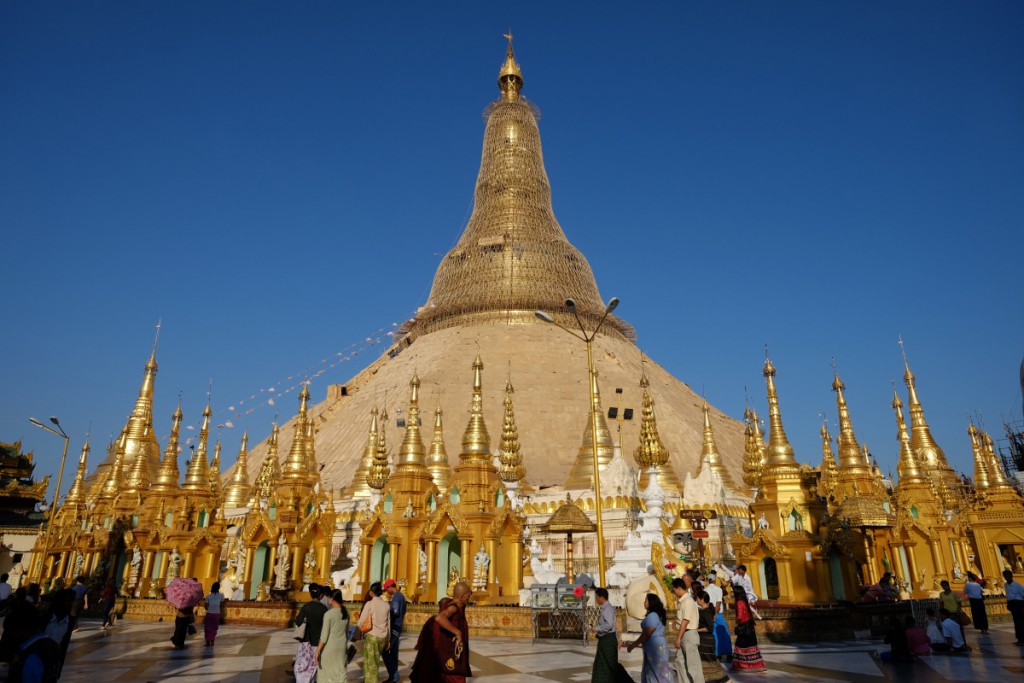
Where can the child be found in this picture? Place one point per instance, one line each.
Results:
(918, 641)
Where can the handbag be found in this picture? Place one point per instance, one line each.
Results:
(962, 618)
(299, 632)
(367, 625)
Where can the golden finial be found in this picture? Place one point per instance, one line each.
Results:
(996, 477)
(76, 494)
(780, 452)
(197, 476)
(215, 466)
(850, 456)
(829, 469)
(379, 469)
(296, 467)
(476, 442)
(907, 468)
(412, 453)
(650, 452)
(330, 502)
(753, 450)
(510, 78)
(270, 470)
(709, 456)
(168, 474)
(437, 461)
(511, 470)
(359, 487)
(927, 452)
(237, 491)
(112, 484)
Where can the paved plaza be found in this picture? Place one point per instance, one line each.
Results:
(139, 652)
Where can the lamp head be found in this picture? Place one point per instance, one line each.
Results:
(545, 316)
(612, 304)
(571, 305)
(36, 422)
(54, 420)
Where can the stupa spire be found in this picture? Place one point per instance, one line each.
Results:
(296, 466)
(850, 455)
(476, 442)
(511, 470)
(236, 493)
(981, 464)
(360, 489)
(138, 480)
(907, 468)
(996, 477)
(270, 470)
(197, 476)
(437, 462)
(754, 449)
(215, 467)
(76, 494)
(829, 468)
(513, 257)
(412, 453)
(780, 451)
(167, 476)
(380, 471)
(581, 476)
(709, 456)
(927, 452)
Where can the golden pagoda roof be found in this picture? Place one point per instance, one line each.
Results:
(568, 519)
(865, 511)
(512, 259)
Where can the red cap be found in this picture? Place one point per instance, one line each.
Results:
(389, 583)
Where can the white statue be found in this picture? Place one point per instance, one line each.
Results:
(423, 566)
(308, 565)
(136, 567)
(16, 574)
(481, 563)
(79, 564)
(240, 557)
(174, 563)
(762, 522)
(283, 565)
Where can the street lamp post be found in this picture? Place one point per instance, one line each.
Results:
(588, 339)
(56, 496)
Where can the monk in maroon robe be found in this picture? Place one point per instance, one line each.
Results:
(442, 651)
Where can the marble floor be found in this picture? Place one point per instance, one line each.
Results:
(139, 652)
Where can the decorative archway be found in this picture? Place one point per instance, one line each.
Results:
(449, 555)
(770, 578)
(260, 569)
(380, 559)
(835, 571)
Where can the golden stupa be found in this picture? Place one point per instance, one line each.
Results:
(513, 259)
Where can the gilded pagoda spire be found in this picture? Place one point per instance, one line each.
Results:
(115, 475)
(296, 467)
(709, 456)
(270, 470)
(981, 465)
(650, 454)
(140, 440)
(197, 476)
(511, 470)
(513, 258)
(581, 476)
(215, 467)
(780, 451)
(359, 487)
(76, 494)
(996, 477)
(168, 475)
(379, 472)
(754, 449)
(907, 468)
(437, 461)
(138, 479)
(829, 468)
(927, 452)
(476, 442)
(236, 493)
(850, 456)
(412, 453)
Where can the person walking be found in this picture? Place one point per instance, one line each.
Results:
(375, 624)
(331, 651)
(723, 639)
(442, 650)
(607, 668)
(976, 598)
(687, 664)
(1015, 605)
(397, 606)
(656, 667)
(746, 654)
(107, 599)
(80, 602)
(312, 615)
(211, 622)
(183, 618)
(713, 671)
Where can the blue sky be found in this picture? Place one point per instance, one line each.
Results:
(278, 182)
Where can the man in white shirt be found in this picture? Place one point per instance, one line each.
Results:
(952, 633)
(741, 578)
(688, 667)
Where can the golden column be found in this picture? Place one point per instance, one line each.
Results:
(431, 563)
(588, 339)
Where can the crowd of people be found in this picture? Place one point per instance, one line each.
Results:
(702, 641)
